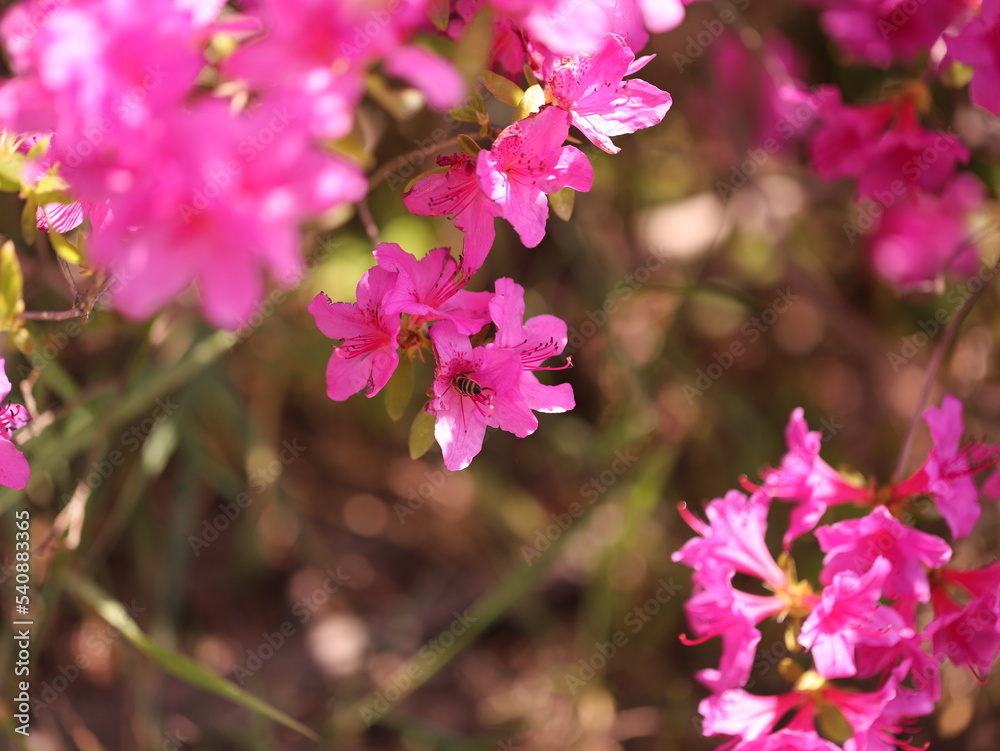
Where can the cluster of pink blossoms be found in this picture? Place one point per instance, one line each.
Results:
(907, 182)
(14, 470)
(197, 140)
(917, 211)
(874, 667)
(405, 305)
(408, 305)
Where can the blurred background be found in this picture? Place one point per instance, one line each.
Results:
(288, 544)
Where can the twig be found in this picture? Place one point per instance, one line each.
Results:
(391, 166)
(933, 366)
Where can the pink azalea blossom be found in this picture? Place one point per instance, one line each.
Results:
(106, 68)
(315, 54)
(474, 387)
(368, 355)
(739, 645)
(591, 88)
(14, 469)
(536, 340)
(456, 193)
(509, 49)
(969, 636)
(976, 581)
(733, 538)
(849, 614)
(221, 208)
(790, 740)
(924, 235)
(855, 544)
(883, 31)
(908, 661)
(716, 608)
(947, 473)
(750, 718)
(978, 44)
(803, 478)
(884, 146)
(528, 161)
(431, 289)
(894, 718)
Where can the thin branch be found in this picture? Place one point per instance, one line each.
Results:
(391, 166)
(933, 366)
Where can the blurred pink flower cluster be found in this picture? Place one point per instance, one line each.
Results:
(916, 210)
(917, 204)
(888, 612)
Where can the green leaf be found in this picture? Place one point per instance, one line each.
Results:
(29, 223)
(421, 434)
(40, 148)
(502, 88)
(562, 202)
(439, 12)
(533, 100)
(529, 75)
(465, 114)
(64, 248)
(11, 286)
(178, 665)
(473, 49)
(399, 389)
(469, 146)
(10, 172)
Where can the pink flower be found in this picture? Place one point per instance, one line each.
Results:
(739, 713)
(508, 51)
(806, 480)
(924, 235)
(474, 388)
(431, 289)
(978, 44)
(368, 356)
(752, 718)
(849, 614)
(314, 56)
(535, 341)
(906, 659)
(591, 88)
(739, 645)
(885, 148)
(456, 193)
(528, 161)
(947, 473)
(662, 15)
(882, 31)
(969, 636)
(733, 539)
(855, 544)
(434, 76)
(224, 204)
(14, 469)
(716, 608)
(790, 740)
(106, 68)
